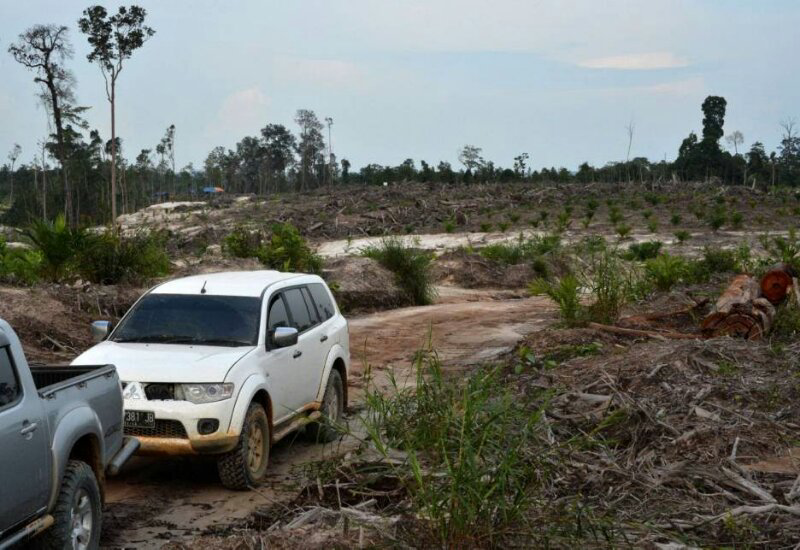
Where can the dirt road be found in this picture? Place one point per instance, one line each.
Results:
(154, 502)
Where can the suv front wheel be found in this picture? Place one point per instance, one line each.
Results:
(246, 465)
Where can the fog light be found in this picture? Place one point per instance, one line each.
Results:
(207, 426)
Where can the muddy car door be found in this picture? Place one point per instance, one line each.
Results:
(309, 367)
(281, 362)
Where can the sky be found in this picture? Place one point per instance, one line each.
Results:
(559, 79)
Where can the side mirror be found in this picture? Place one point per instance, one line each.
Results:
(283, 337)
(100, 330)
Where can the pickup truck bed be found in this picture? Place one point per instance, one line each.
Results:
(49, 378)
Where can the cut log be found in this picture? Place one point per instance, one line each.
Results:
(776, 282)
(740, 312)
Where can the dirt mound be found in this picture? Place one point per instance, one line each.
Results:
(362, 284)
(49, 330)
(460, 268)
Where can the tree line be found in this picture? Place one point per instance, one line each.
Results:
(91, 178)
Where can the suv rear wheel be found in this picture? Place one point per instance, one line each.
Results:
(246, 465)
(77, 513)
(332, 410)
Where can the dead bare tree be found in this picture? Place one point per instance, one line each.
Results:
(43, 49)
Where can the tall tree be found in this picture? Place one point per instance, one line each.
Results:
(13, 155)
(279, 145)
(44, 49)
(470, 157)
(713, 118)
(311, 144)
(735, 139)
(113, 40)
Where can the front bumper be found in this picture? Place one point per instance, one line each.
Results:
(172, 446)
(185, 415)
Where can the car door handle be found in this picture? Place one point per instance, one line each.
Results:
(323, 337)
(297, 354)
(29, 428)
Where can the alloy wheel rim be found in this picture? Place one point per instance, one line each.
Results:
(81, 521)
(255, 445)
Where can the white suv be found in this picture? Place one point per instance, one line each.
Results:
(227, 364)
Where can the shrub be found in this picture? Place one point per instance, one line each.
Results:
(503, 226)
(19, 265)
(107, 258)
(242, 243)
(719, 260)
(57, 245)
(787, 321)
(521, 250)
(666, 271)
(411, 267)
(652, 226)
(652, 198)
(474, 438)
(737, 219)
(717, 218)
(614, 215)
(449, 226)
(783, 249)
(287, 250)
(485, 227)
(647, 214)
(623, 230)
(682, 235)
(675, 219)
(643, 251)
(610, 284)
(565, 292)
(513, 217)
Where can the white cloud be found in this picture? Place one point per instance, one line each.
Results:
(636, 62)
(241, 112)
(331, 73)
(686, 87)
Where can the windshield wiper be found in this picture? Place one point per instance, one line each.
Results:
(158, 339)
(221, 342)
(171, 339)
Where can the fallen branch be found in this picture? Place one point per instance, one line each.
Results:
(645, 333)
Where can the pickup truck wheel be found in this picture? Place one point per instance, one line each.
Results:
(77, 513)
(246, 465)
(324, 430)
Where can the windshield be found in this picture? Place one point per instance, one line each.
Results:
(192, 319)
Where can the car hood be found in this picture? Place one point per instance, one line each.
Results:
(164, 362)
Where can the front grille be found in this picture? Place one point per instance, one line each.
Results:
(163, 428)
(159, 392)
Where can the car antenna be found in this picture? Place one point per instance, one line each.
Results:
(203, 290)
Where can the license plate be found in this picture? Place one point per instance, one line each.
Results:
(140, 419)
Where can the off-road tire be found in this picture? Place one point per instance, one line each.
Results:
(235, 467)
(78, 482)
(324, 430)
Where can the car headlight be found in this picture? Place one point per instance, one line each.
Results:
(206, 393)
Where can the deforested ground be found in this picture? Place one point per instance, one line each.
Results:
(492, 417)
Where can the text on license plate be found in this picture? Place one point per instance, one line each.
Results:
(140, 419)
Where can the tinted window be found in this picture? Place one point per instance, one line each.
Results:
(9, 385)
(192, 319)
(322, 300)
(297, 305)
(315, 320)
(277, 314)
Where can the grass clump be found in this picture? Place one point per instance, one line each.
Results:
(666, 271)
(565, 292)
(521, 250)
(411, 267)
(474, 456)
(643, 251)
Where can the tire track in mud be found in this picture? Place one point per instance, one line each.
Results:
(156, 501)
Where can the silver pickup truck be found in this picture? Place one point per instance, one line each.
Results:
(60, 432)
